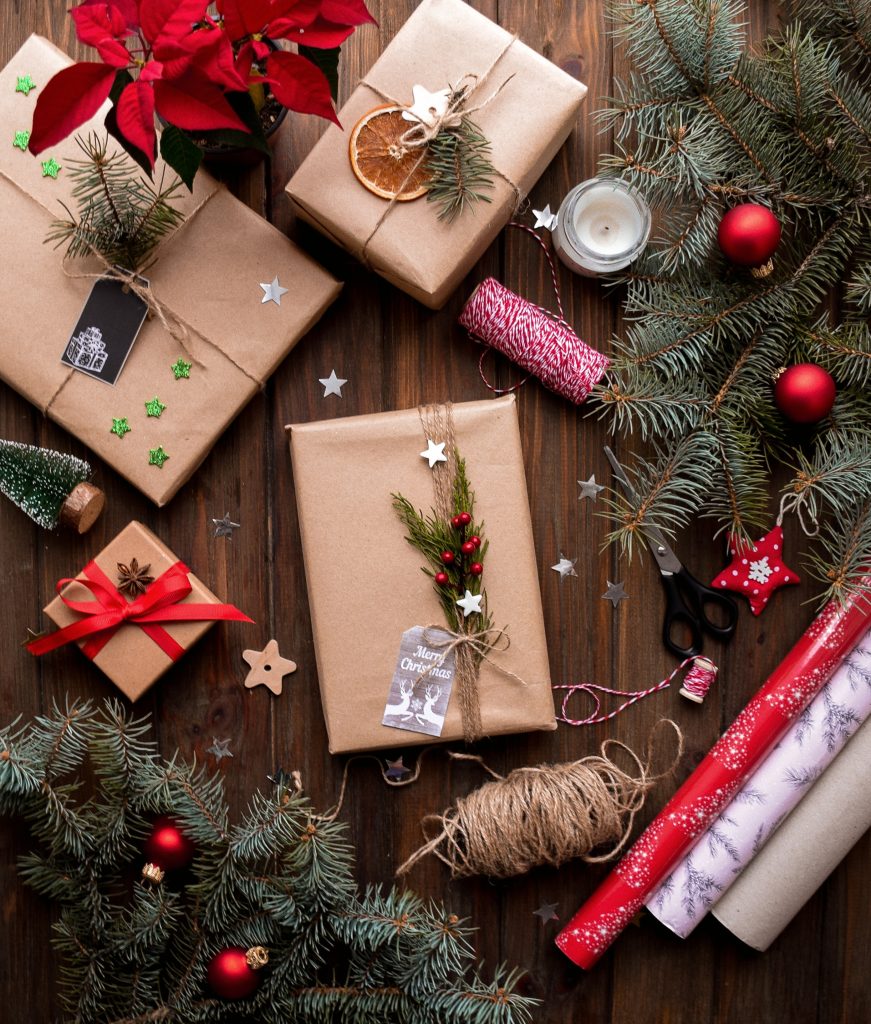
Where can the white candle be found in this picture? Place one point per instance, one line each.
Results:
(602, 225)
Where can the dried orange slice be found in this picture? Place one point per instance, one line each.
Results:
(379, 160)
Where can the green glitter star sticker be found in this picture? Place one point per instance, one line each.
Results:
(157, 456)
(24, 84)
(120, 426)
(21, 139)
(155, 407)
(50, 168)
(180, 368)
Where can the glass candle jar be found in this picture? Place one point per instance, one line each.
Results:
(601, 226)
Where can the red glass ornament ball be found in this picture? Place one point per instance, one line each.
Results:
(167, 846)
(748, 234)
(468, 548)
(805, 393)
(442, 579)
(476, 568)
(465, 518)
(456, 522)
(448, 557)
(229, 975)
(476, 540)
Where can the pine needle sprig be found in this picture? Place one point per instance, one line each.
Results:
(461, 172)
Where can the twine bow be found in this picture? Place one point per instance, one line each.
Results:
(423, 132)
(104, 616)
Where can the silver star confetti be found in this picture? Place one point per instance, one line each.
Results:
(332, 385)
(272, 291)
(589, 488)
(615, 593)
(565, 566)
(225, 527)
(544, 218)
(470, 603)
(396, 769)
(434, 452)
(219, 748)
(547, 912)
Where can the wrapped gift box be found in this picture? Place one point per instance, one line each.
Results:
(526, 124)
(131, 656)
(364, 580)
(207, 276)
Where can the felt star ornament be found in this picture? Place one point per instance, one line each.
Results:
(756, 570)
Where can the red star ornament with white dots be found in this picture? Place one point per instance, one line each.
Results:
(757, 570)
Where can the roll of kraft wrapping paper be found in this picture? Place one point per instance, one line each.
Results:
(804, 851)
(702, 877)
(786, 693)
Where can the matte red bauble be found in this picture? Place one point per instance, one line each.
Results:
(233, 973)
(804, 393)
(168, 847)
(748, 235)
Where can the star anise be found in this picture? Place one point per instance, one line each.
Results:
(133, 579)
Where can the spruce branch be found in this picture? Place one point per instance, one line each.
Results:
(460, 170)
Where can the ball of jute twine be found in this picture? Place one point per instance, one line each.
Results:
(543, 815)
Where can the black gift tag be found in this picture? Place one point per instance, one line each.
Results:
(106, 330)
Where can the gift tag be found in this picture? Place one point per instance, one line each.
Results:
(422, 681)
(106, 329)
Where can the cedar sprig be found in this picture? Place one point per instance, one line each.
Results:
(460, 169)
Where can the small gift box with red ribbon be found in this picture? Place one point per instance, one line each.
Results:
(134, 610)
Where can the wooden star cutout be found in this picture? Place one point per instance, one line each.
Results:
(267, 667)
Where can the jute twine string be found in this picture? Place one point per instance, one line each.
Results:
(543, 815)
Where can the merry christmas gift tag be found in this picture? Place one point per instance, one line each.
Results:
(421, 686)
(106, 329)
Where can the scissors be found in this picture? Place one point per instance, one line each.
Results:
(686, 598)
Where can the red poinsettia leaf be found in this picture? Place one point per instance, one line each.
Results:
(261, 49)
(104, 28)
(135, 113)
(129, 9)
(68, 100)
(244, 60)
(244, 17)
(151, 72)
(194, 103)
(320, 33)
(170, 19)
(346, 12)
(298, 85)
(208, 51)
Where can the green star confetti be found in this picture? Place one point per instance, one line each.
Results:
(155, 407)
(21, 139)
(157, 456)
(50, 168)
(120, 426)
(24, 84)
(181, 369)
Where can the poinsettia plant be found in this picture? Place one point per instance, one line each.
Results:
(206, 68)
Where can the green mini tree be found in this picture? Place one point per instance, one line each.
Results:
(51, 487)
(701, 125)
(134, 952)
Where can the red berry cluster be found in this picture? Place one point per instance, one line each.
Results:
(457, 559)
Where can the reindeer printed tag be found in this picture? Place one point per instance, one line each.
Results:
(421, 685)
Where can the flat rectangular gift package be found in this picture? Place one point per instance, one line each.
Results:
(533, 108)
(365, 584)
(206, 275)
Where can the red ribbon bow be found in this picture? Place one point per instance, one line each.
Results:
(104, 616)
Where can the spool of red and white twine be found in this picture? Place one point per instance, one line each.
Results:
(534, 338)
(695, 686)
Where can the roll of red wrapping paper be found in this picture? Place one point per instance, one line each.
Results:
(785, 694)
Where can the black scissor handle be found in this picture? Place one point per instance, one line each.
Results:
(700, 596)
(677, 612)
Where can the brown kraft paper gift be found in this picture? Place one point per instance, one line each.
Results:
(206, 275)
(526, 124)
(365, 581)
(131, 659)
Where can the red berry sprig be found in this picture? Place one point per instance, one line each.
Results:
(458, 559)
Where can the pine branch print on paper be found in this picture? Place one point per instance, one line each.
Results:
(703, 124)
(698, 890)
(839, 721)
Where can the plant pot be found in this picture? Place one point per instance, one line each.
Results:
(239, 158)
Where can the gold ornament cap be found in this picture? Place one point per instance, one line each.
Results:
(778, 373)
(257, 957)
(152, 873)
(763, 271)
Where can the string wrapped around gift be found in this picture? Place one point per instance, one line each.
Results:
(110, 610)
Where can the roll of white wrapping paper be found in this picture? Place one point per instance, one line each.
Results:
(703, 876)
(804, 851)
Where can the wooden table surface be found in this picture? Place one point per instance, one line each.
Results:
(395, 355)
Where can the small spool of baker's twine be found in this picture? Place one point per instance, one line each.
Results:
(534, 338)
(543, 815)
(695, 687)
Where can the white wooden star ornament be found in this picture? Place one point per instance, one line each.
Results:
(332, 385)
(427, 107)
(470, 603)
(272, 291)
(268, 668)
(434, 452)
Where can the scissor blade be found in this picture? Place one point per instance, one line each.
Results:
(620, 473)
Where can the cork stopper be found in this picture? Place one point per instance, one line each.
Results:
(82, 507)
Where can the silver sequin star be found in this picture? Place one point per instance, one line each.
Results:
(615, 593)
(565, 566)
(544, 218)
(396, 769)
(547, 912)
(332, 385)
(589, 488)
(272, 291)
(219, 748)
(225, 527)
